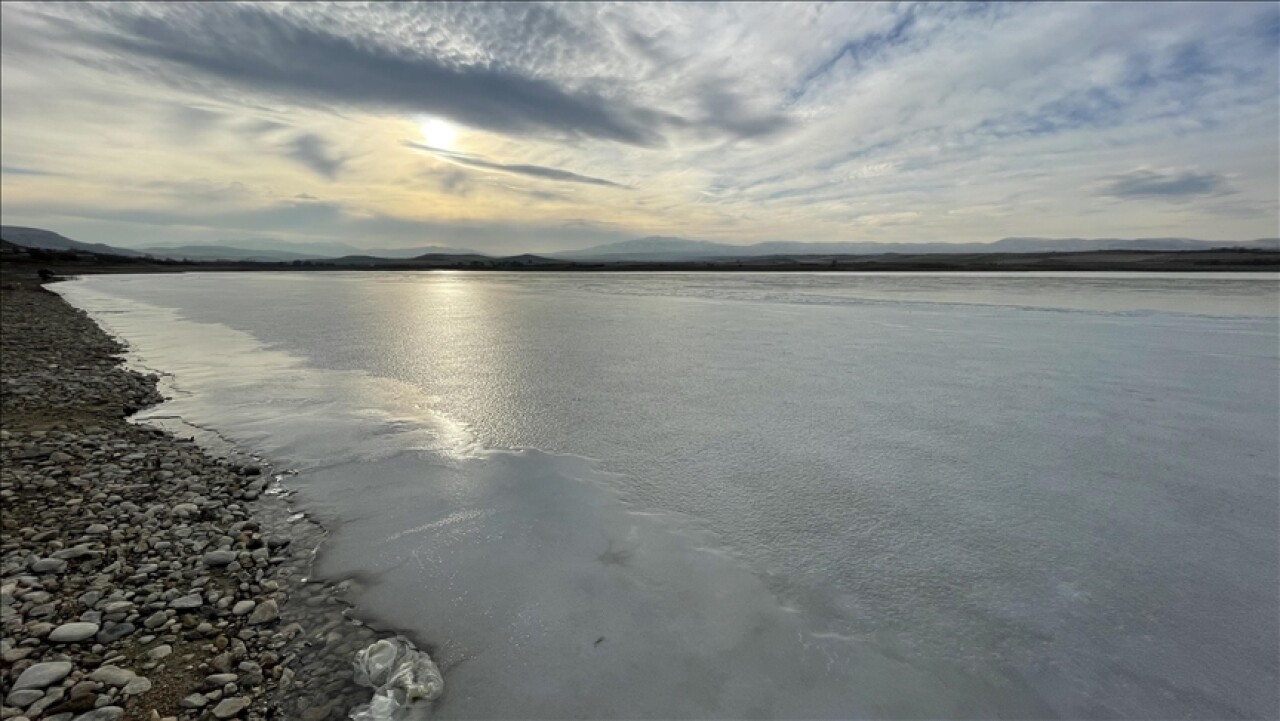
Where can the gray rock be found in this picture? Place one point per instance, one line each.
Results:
(219, 558)
(242, 607)
(51, 696)
(182, 510)
(156, 619)
(117, 607)
(230, 707)
(74, 632)
(106, 713)
(16, 654)
(114, 633)
(75, 553)
(49, 565)
(193, 600)
(113, 675)
(195, 700)
(222, 662)
(137, 685)
(265, 612)
(42, 675)
(23, 698)
(160, 652)
(97, 528)
(218, 680)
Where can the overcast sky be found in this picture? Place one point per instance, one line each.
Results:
(520, 127)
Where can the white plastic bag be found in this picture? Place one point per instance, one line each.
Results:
(399, 675)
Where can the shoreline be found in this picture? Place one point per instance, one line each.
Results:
(143, 575)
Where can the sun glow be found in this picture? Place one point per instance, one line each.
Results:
(438, 133)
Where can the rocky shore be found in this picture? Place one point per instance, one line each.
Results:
(140, 576)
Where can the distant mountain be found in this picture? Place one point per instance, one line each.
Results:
(425, 259)
(660, 248)
(49, 240)
(654, 247)
(274, 249)
(224, 252)
(419, 251)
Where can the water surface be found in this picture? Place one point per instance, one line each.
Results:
(774, 495)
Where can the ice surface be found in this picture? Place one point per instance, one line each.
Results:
(812, 495)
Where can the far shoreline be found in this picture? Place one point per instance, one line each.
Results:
(23, 259)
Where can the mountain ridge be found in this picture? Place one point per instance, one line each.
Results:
(673, 248)
(650, 248)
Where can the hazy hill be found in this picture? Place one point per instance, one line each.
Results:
(650, 249)
(49, 240)
(659, 248)
(255, 249)
(267, 249)
(223, 252)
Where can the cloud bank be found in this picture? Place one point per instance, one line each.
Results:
(732, 122)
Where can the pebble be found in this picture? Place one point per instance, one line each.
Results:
(230, 707)
(116, 632)
(137, 685)
(189, 601)
(112, 675)
(195, 700)
(139, 549)
(105, 713)
(23, 698)
(265, 612)
(41, 675)
(219, 558)
(49, 565)
(74, 632)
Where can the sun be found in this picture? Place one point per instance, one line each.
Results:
(438, 133)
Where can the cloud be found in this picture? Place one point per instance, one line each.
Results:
(312, 151)
(1024, 113)
(16, 170)
(289, 57)
(1170, 184)
(725, 110)
(534, 171)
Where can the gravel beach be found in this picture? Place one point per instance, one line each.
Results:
(143, 577)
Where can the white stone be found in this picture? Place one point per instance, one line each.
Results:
(44, 674)
(74, 632)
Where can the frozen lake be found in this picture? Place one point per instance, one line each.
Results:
(769, 495)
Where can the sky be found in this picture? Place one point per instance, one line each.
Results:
(538, 127)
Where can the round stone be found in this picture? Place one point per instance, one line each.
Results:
(49, 565)
(44, 674)
(73, 632)
(266, 612)
(159, 652)
(219, 558)
(106, 713)
(137, 685)
(111, 634)
(24, 698)
(112, 675)
(229, 707)
(189, 601)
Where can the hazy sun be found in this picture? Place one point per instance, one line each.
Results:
(438, 133)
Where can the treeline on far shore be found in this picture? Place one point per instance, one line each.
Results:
(16, 257)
